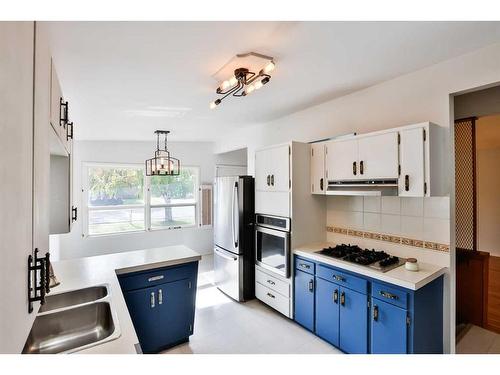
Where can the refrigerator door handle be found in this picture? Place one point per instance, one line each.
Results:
(220, 253)
(235, 196)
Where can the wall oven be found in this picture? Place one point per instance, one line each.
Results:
(272, 243)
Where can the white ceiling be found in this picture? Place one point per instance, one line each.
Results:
(126, 79)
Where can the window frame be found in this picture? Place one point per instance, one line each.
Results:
(146, 205)
(196, 203)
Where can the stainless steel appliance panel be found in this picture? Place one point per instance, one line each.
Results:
(227, 214)
(227, 268)
(273, 250)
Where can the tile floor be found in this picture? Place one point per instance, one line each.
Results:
(478, 340)
(223, 326)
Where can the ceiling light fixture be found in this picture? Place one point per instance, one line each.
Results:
(162, 164)
(244, 81)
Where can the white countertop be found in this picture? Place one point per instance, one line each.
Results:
(397, 276)
(98, 270)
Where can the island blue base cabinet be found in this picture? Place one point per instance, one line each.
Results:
(358, 314)
(161, 303)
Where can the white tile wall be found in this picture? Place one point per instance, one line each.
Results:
(417, 218)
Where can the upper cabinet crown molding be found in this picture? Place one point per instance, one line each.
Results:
(409, 157)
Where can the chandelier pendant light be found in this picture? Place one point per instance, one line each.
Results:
(162, 164)
(244, 81)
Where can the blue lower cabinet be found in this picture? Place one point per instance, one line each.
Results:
(353, 332)
(389, 329)
(327, 311)
(162, 314)
(397, 320)
(304, 299)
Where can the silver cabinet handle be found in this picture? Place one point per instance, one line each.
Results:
(271, 295)
(156, 278)
(160, 297)
(306, 266)
(339, 278)
(388, 295)
(152, 300)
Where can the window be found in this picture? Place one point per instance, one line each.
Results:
(120, 198)
(115, 199)
(173, 199)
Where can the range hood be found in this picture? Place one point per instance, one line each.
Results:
(363, 187)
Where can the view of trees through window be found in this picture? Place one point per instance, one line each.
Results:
(116, 199)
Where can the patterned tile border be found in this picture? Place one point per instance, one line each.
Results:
(390, 238)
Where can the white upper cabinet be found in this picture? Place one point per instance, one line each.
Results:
(318, 180)
(272, 180)
(378, 156)
(411, 156)
(412, 160)
(280, 173)
(342, 160)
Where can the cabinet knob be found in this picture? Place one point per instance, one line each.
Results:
(336, 296)
(311, 285)
(342, 298)
(407, 182)
(160, 297)
(354, 168)
(375, 313)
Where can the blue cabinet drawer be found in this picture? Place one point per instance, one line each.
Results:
(390, 295)
(342, 278)
(146, 279)
(304, 265)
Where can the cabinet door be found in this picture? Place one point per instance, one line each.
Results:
(16, 189)
(388, 328)
(318, 182)
(304, 299)
(262, 170)
(378, 156)
(143, 307)
(176, 311)
(342, 160)
(280, 172)
(353, 333)
(55, 104)
(411, 153)
(327, 311)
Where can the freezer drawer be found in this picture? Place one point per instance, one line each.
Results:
(228, 268)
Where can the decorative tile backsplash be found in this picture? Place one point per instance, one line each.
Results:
(390, 238)
(418, 222)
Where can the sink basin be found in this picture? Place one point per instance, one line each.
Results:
(71, 329)
(75, 297)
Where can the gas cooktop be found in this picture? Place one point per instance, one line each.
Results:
(378, 260)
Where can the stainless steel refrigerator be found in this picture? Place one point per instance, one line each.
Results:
(234, 238)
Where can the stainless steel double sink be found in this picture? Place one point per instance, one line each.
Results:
(73, 321)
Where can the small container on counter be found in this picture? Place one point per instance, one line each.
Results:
(411, 264)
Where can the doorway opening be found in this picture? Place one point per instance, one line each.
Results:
(477, 222)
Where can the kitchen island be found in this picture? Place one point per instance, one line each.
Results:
(105, 270)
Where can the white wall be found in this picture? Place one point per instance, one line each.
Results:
(73, 245)
(420, 96)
